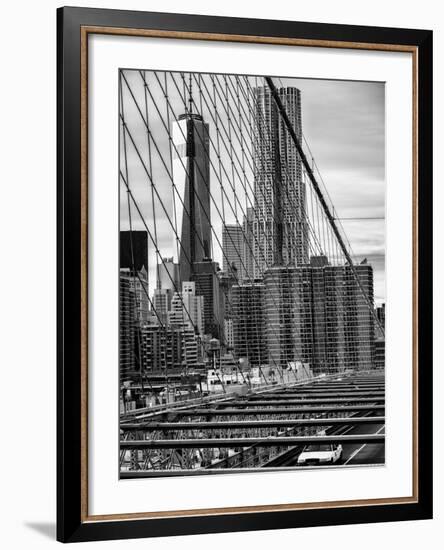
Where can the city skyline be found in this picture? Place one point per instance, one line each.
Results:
(280, 238)
(239, 288)
(342, 164)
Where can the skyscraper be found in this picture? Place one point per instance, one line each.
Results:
(287, 317)
(208, 286)
(127, 328)
(161, 302)
(139, 286)
(237, 247)
(134, 267)
(330, 299)
(317, 314)
(365, 326)
(226, 282)
(168, 275)
(191, 174)
(280, 226)
(341, 327)
(233, 249)
(187, 309)
(134, 250)
(379, 358)
(380, 314)
(380, 338)
(249, 262)
(249, 323)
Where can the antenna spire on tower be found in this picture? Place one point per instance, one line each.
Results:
(191, 95)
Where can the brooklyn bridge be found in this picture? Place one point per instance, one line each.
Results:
(249, 333)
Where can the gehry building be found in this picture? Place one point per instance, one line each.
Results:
(279, 186)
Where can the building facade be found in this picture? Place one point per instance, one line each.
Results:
(187, 309)
(161, 347)
(161, 302)
(207, 285)
(233, 250)
(249, 324)
(339, 320)
(168, 275)
(127, 328)
(139, 285)
(280, 227)
(317, 315)
(379, 352)
(238, 248)
(287, 315)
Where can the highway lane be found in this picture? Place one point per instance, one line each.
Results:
(352, 454)
(366, 453)
(270, 405)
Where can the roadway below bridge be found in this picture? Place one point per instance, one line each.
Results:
(264, 429)
(364, 453)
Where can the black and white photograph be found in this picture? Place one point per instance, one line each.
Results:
(252, 273)
(222, 216)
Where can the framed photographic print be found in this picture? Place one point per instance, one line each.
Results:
(244, 274)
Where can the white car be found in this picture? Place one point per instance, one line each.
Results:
(319, 454)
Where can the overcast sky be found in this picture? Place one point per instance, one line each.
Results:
(343, 123)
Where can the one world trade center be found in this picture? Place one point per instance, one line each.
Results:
(191, 173)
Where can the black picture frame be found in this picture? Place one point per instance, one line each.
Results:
(72, 523)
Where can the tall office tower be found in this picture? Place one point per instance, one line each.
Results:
(249, 262)
(329, 302)
(207, 285)
(341, 316)
(187, 309)
(134, 266)
(233, 250)
(380, 314)
(280, 226)
(249, 326)
(191, 174)
(287, 315)
(237, 247)
(193, 307)
(318, 314)
(161, 304)
(134, 250)
(127, 326)
(226, 282)
(167, 284)
(364, 333)
(379, 357)
(168, 275)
